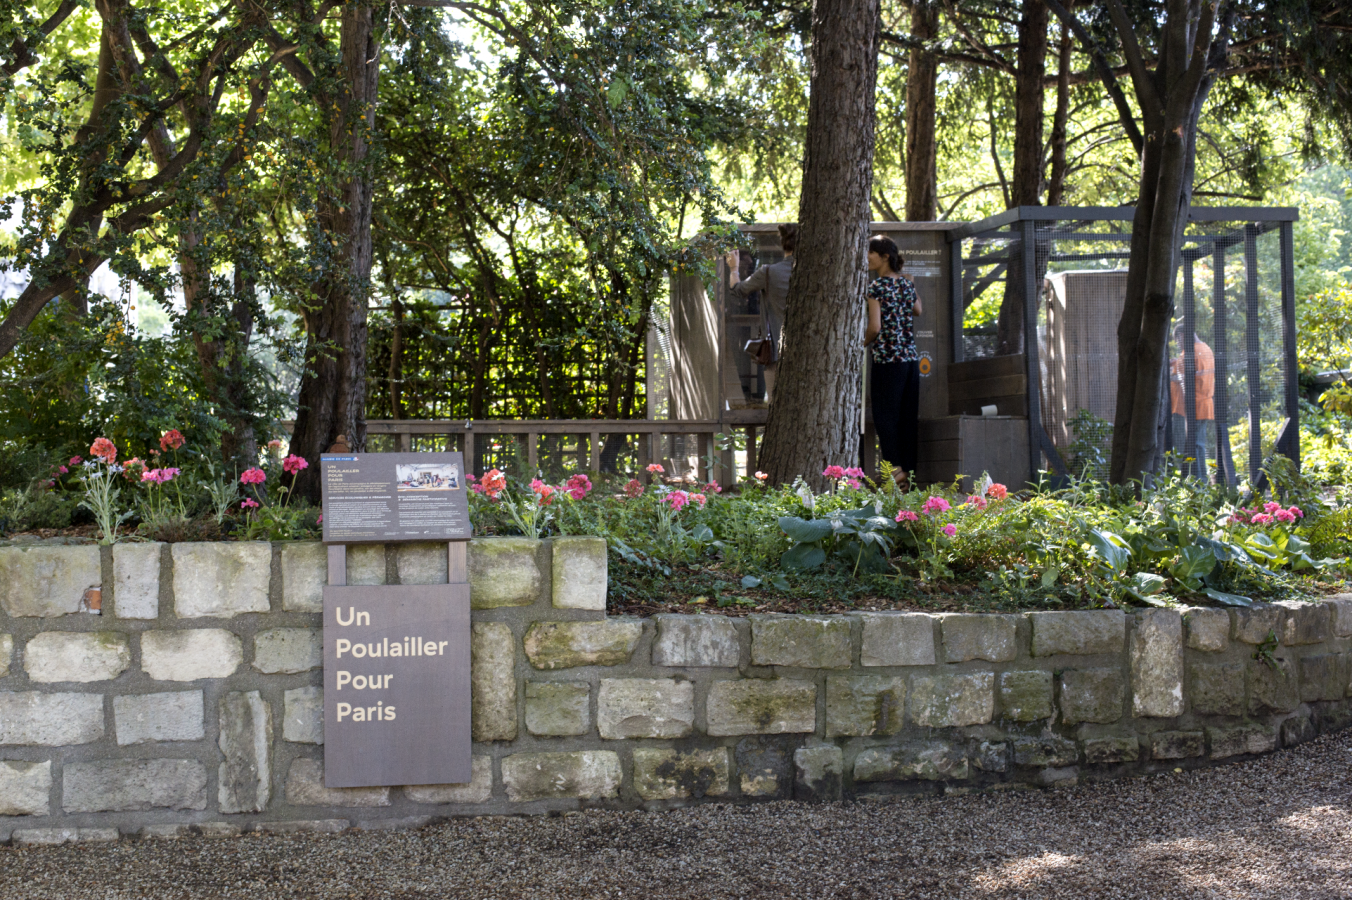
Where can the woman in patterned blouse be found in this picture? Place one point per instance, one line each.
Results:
(892, 307)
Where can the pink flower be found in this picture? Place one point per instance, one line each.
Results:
(75, 460)
(713, 488)
(476, 487)
(150, 475)
(834, 472)
(62, 469)
(293, 464)
(253, 476)
(1271, 507)
(492, 483)
(171, 440)
(1261, 519)
(249, 503)
(677, 500)
(976, 501)
(104, 450)
(656, 468)
(1295, 511)
(274, 444)
(907, 516)
(579, 486)
(949, 530)
(854, 472)
(698, 498)
(997, 491)
(935, 505)
(320, 520)
(853, 484)
(634, 488)
(761, 476)
(1285, 515)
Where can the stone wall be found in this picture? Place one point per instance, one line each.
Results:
(193, 702)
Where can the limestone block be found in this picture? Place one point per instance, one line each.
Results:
(366, 564)
(190, 655)
(764, 766)
(1208, 629)
(492, 682)
(645, 708)
(121, 785)
(1340, 612)
(51, 837)
(479, 789)
(303, 715)
(47, 581)
(979, 636)
(221, 579)
(1297, 730)
(1112, 749)
(1323, 677)
(1047, 750)
(305, 571)
(1177, 744)
(1272, 687)
(584, 775)
(1227, 742)
(806, 642)
(305, 787)
(675, 774)
(563, 645)
(166, 832)
(28, 718)
(60, 656)
(581, 573)
(1253, 625)
(422, 563)
(709, 641)
(558, 708)
(859, 705)
(505, 572)
(991, 756)
(925, 761)
(147, 718)
(1026, 696)
(286, 651)
(1078, 632)
(759, 706)
(136, 581)
(1091, 695)
(25, 788)
(6, 653)
(245, 778)
(1217, 689)
(942, 701)
(1157, 663)
(818, 772)
(1305, 623)
(897, 639)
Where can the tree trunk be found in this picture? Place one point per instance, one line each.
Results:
(814, 417)
(922, 76)
(333, 387)
(397, 359)
(1056, 182)
(1025, 188)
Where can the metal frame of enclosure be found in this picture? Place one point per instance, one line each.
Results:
(1066, 268)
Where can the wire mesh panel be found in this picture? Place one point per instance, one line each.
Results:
(1228, 399)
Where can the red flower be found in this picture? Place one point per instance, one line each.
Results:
(997, 491)
(579, 486)
(493, 483)
(293, 464)
(104, 450)
(253, 476)
(171, 439)
(634, 488)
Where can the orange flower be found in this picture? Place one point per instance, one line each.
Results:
(997, 491)
(171, 440)
(104, 450)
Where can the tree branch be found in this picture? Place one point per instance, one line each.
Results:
(1106, 74)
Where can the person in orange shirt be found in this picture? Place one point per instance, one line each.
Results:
(1205, 362)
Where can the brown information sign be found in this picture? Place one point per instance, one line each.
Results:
(389, 497)
(396, 685)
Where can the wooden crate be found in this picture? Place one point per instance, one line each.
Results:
(969, 445)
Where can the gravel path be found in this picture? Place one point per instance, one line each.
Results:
(1275, 827)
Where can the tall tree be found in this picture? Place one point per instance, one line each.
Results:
(922, 78)
(814, 417)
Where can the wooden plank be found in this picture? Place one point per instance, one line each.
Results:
(988, 367)
(533, 452)
(988, 387)
(338, 564)
(939, 429)
(939, 450)
(1011, 405)
(457, 562)
(469, 451)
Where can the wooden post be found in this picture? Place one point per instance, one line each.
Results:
(594, 441)
(1290, 364)
(751, 452)
(471, 464)
(338, 564)
(457, 562)
(702, 451)
(532, 452)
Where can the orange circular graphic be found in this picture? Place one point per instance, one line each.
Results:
(925, 365)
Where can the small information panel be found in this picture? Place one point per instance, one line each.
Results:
(388, 497)
(396, 685)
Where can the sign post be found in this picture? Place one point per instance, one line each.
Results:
(396, 657)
